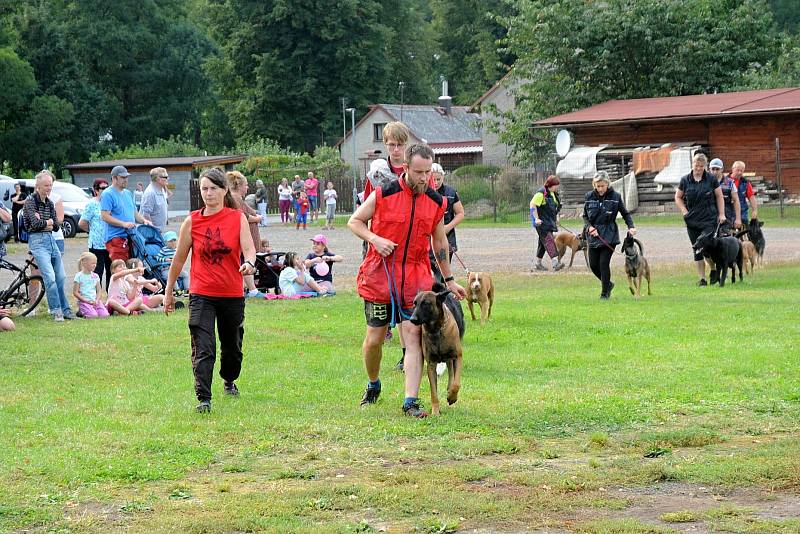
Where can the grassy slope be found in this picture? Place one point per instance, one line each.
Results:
(563, 395)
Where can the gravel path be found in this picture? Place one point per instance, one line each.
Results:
(481, 249)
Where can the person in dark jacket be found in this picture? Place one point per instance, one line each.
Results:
(699, 199)
(545, 206)
(600, 209)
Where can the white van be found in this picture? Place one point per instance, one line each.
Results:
(74, 198)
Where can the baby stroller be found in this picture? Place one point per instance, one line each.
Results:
(268, 269)
(146, 243)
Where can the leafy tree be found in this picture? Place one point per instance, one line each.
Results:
(575, 54)
(787, 14)
(468, 33)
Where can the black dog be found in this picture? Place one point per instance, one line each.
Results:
(442, 321)
(757, 237)
(636, 266)
(723, 251)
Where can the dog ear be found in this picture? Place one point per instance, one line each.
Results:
(442, 295)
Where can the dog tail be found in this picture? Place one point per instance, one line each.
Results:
(639, 243)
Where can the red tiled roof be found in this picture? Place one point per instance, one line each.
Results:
(692, 106)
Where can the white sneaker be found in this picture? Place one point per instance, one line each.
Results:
(58, 317)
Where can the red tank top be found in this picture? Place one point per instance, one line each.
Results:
(216, 254)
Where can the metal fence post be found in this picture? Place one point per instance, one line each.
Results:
(778, 173)
(494, 197)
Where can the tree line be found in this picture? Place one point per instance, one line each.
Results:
(90, 78)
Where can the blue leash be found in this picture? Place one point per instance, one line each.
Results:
(394, 295)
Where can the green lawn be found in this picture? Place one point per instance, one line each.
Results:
(566, 401)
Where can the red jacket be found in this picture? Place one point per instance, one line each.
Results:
(408, 220)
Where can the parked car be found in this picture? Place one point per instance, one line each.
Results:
(74, 198)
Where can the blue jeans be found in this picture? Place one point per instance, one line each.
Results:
(262, 210)
(48, 258)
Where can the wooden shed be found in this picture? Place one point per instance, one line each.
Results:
(761, 128)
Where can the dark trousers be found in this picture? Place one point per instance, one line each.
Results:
(600, 263)
(546, 242)
(103, 264)
(228, 315)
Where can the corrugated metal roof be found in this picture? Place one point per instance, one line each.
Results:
(456, 148)
(643, 109)
(434, 126)
(196, 161)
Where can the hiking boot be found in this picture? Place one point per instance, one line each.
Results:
(399, 366)
(230, 389)
(702, 282)
(203, 407)
(370, 396)
(539, 267)
(415, 410)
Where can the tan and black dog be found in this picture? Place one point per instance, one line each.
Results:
(442, 321)
(636, 266)
(480, 289)
(575, 242)
(749, 256)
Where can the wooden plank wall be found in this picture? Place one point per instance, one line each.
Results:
(750, 139)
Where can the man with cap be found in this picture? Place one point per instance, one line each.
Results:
(261, 202)
(119, 213)
(154, 200)
(729, 195)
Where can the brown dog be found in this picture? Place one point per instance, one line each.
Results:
(574, 241)
(442, 321)
(480, 289)
(749, 256)
(636, 266)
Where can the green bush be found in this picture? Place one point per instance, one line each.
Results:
(160, 148)
(477, 170)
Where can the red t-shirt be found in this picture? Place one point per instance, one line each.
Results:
(216, 254)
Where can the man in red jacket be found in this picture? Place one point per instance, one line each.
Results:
(398, 220)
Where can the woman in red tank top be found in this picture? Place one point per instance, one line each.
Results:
(217, 237)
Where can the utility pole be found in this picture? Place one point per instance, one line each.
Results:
(355, 159)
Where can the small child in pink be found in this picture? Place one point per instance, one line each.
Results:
(86, 288)
(120, 291)
(139, 282)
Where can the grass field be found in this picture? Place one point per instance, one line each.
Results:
(575, 415)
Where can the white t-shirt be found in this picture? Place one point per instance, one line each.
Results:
(288, 281)
(330, 196)
(54, 197)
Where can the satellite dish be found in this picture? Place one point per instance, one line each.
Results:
(563, 143)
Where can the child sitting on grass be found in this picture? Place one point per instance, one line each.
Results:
(138, 283)
(120, 291)
(86, 288)
(294, 278)
(166, 254)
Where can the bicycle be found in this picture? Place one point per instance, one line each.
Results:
(25, 291)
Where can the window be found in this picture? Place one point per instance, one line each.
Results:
(377, 131)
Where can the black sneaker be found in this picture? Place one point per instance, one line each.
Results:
(370, 396)
(204, 407)
(231, 389)
(415, 410)
(399, 366)
(702, 282)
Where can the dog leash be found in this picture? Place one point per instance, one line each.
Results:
(459, 261)
(394, 295)
(567, 229)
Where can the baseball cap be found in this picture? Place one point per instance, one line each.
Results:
(119, 170)
(319, 238)
(98, 183)
(169, 236)
(716, 163)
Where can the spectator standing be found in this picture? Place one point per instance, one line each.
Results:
(216, 284)
(41, 221)
(237, 187)
(261, 202)
(138, 195)
(312, 192)
(302, 207)
(545, 206)
(119, 213)
(284, 200)
(600, 208)
(747, 198)
(699, 199)
(17, 201)
(154, 200)
(92, 221)
(330, 197)
(454, 213)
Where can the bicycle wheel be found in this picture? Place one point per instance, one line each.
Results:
(24, 295)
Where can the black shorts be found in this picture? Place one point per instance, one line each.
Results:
(379, 314)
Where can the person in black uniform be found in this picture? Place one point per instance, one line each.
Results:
(600, 209)
(699, 199)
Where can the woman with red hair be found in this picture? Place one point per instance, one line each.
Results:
(545, 206)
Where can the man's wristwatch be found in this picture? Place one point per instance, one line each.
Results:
(449, 279)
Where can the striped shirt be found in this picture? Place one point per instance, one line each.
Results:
(35, 213)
